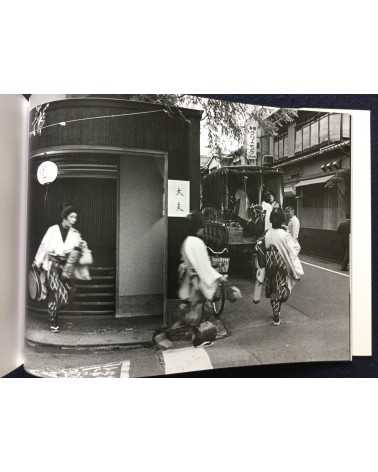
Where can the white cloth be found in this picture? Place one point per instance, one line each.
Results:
(243, 204)
(286, 246)
(267, 207)
(293, 227)
(52, 242)
(195, 258)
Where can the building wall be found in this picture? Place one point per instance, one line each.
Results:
(142, 236)
(179, 138)
(321, 243)
(40, 99)
(142, 224)
(320, 209)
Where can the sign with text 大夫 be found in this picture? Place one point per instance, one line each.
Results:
(178, 198)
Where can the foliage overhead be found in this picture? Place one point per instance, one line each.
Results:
(223, 118)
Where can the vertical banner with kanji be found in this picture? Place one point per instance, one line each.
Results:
(252, 145)
(178, 198)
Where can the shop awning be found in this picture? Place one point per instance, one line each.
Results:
(318, 180)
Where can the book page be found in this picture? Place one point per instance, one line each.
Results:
(14, 113)
(170, 234)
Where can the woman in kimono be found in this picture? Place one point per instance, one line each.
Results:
(57, 245)
(277, 252)
(198, 279)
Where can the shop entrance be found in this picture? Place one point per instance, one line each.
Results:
(95, 200)
(121, 205)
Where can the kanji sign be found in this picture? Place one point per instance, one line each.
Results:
(252, 148)
(178, 198)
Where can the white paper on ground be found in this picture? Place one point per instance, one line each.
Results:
(186, 359)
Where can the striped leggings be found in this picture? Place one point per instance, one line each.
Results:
(276, 306)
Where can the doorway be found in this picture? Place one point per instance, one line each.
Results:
(95, 201)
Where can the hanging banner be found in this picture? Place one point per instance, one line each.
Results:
(252, 143)
(178, 198)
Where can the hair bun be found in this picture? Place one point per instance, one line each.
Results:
(67, 209)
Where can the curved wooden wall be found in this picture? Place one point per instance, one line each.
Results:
(141, 130)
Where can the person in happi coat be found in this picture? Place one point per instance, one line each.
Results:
(59, 243)
(278, 257)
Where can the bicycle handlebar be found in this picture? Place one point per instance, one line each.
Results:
(217, 253)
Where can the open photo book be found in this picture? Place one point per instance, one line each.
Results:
(148, 235)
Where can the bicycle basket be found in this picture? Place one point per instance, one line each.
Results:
(220, 260)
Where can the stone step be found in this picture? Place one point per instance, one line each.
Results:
(94, 295)
(92, 303)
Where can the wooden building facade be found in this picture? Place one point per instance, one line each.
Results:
(314, 154)
(114, 159)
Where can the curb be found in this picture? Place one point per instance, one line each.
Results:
(84, 347)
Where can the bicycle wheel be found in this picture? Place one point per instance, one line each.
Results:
(218, 301)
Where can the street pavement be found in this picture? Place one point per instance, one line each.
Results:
(314, 327)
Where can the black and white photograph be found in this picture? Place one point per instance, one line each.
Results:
(188, 198)
(180, 233)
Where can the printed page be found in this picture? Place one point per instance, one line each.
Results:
(176, 233)
(14, 111)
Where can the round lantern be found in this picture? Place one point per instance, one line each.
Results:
(47, 172)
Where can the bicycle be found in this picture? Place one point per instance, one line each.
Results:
(220, 261)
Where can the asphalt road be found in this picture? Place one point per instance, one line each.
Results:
(314, 323)
(314, 327)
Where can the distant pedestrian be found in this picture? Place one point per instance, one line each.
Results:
(293, 224)
(344, 234)
(269, 203)
(267, 207)
(278, 258)
(255, 226)
(242, 203)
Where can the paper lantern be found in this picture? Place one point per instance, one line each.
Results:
(47, 172)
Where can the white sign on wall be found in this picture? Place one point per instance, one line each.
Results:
(178, 198)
